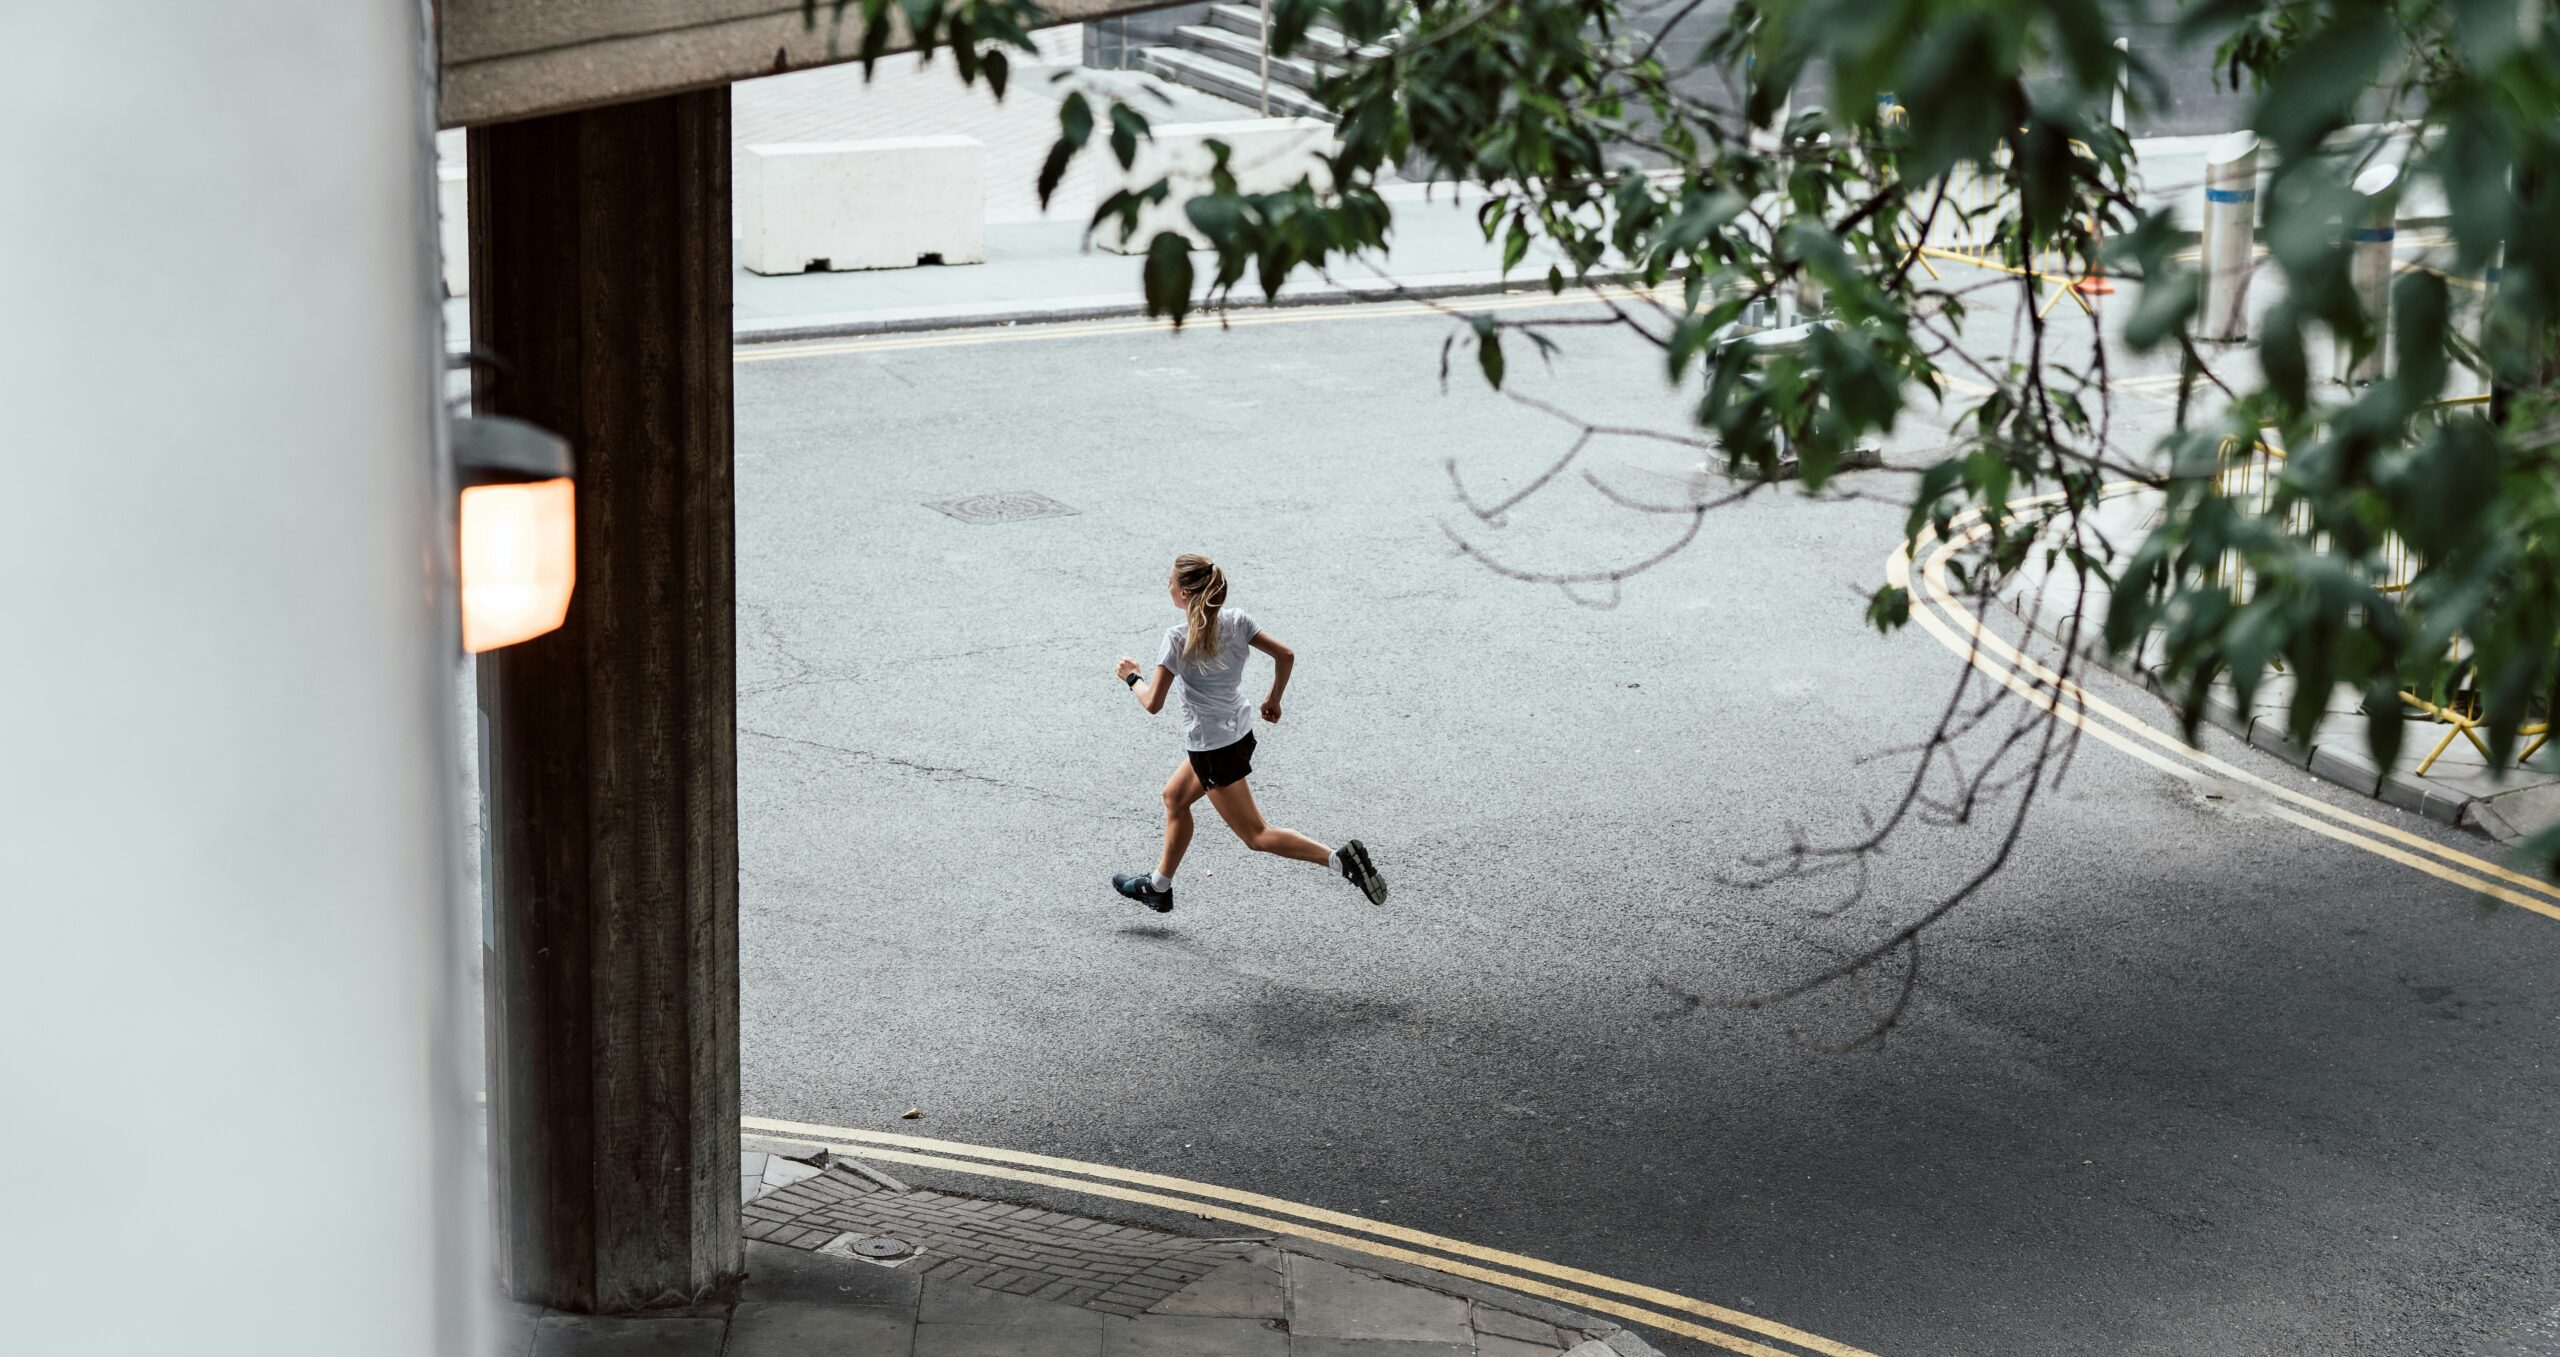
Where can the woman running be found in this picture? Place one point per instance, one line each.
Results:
(1205, 658)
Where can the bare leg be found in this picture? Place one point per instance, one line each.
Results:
(1180, 791)
(1235, 805)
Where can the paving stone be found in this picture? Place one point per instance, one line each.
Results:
(1505, 1324)
(1192, 1336)
(776, 1273)
(1244, 1290)
(953, 1302)
(779, 1173)
(1006, 1340)
(1300, 1346)
(599, 1336)
(1327, 1300)
(1495, 1345)
(799, 1329)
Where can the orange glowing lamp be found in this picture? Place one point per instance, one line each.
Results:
(519, 524)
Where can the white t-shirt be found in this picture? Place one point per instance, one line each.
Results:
(1214, 712)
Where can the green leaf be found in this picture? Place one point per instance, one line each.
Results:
(1168, 276)
(1890, 608)
(1702, 214)
(1218, 215)
(1127, 126)
(1489, 349)
(2419, 307)
(2313, 91)
(2168, 302)
(1053, 170)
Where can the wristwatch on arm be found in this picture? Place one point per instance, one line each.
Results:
(1132, 679)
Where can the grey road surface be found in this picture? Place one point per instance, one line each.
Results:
(2184, 1079)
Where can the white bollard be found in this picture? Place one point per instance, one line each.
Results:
(2230, 235)
(2369, 270)
(1265, 155)
(830, 206)
(453, 227)
(2489, 295)
(2115, 101)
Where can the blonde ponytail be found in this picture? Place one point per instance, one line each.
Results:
(1201, 578)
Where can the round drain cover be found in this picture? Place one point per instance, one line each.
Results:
(882, 1246)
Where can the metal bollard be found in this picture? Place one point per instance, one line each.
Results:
(2230, 235)
(2489, 294)
(1748, 334)
(2370, 271)
(2115, 100)
(1790, 339)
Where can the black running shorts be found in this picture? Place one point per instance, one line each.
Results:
(1218, 767)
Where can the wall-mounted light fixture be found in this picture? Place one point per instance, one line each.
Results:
(519, 530)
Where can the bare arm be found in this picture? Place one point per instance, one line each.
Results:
(1282, 660)
(1150, 695)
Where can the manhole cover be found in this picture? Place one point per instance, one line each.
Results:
(1004, 506)
(882, 1246)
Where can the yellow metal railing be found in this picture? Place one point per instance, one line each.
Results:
(1965, 230)
(2249, 477)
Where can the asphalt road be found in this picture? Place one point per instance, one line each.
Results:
(2183, 1079)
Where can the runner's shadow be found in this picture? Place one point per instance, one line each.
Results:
(1152, 933)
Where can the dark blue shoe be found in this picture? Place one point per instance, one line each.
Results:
(1141, 887)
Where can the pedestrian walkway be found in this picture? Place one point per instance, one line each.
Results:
(844, 1260)
(1040, 264)
(2458, 787)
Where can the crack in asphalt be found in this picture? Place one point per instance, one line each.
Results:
(808, 673)
(937, 772)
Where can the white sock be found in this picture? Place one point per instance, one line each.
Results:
(1334, 860)
(1160, 881)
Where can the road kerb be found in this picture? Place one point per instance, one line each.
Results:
(1530, 1276)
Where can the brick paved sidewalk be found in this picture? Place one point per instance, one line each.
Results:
(845, 1260)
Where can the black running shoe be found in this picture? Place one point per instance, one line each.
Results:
(1142, 888)
(1360, 871)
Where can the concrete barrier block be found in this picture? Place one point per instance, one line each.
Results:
(1265, 155)
(830, 206)
(453, 227)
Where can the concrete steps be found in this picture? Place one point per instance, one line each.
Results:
(1224, 57)
(1245, 54)
(1321, 44)
(1241, 84)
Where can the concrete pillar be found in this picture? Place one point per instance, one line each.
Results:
(2369, 269)
(600, 256)
(2230, 236)
(236, 1114)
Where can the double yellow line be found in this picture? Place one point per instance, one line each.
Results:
(1725, 1328)
(1936, 608)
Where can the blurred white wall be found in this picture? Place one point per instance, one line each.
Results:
(226, 686)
